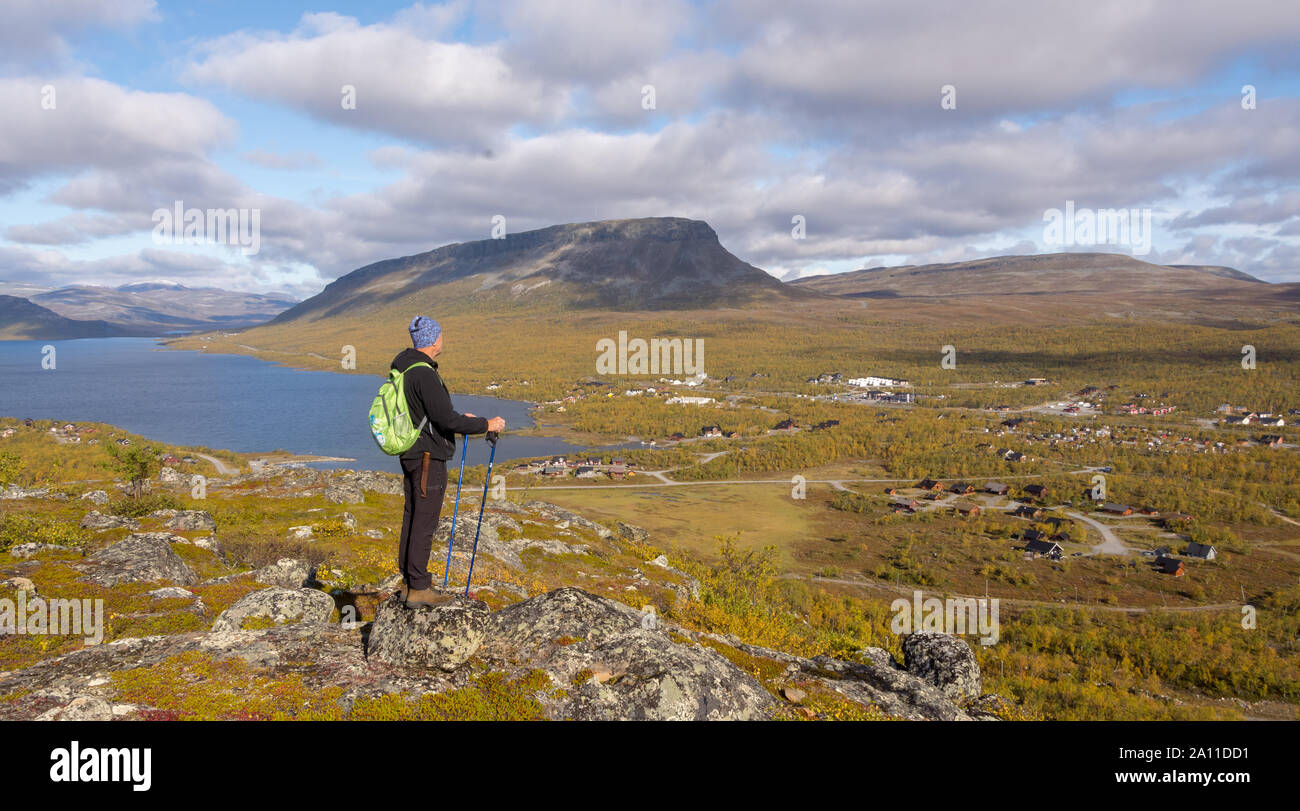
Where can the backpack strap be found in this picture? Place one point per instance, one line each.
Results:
(425, 421)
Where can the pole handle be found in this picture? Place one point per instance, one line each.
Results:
(493, 436)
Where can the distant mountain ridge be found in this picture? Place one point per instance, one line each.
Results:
(1038, 274)
(658, 263)
(22, 319)
(155, 308)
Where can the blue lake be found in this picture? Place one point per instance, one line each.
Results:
(226, 401)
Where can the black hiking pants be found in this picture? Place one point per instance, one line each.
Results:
(424, 484)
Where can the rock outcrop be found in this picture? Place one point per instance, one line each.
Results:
(278, 606)
(620, 666)
(140, 558)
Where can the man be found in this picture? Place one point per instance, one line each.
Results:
(424, 466)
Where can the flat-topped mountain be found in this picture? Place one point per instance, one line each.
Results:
(659, 263)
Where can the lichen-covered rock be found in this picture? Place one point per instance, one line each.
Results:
(561, 514)
(616, 665)
(82, 708)
(170, 476)
(278, 605)
(895, 692)
(187, 520)
(13, 491)
(95, 497)
(140, 558)
(944, 661)
(302, 533)
(344, 492)
(443, 636)
(99, 521)
(172, 593)
(25, 551)
(289, 573)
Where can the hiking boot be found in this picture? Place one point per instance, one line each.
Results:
(421, 598)
(401, 592)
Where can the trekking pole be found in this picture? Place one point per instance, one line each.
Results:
(487, 479)
(464, 445)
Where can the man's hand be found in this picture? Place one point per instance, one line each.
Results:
(468, 414)
(496, 424)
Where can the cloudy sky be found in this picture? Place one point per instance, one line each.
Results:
(361, 131)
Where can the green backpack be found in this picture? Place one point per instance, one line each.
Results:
(390, 415)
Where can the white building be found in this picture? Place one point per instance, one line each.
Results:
(875, 382)
(691, 400)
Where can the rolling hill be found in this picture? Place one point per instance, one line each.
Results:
(1040, 274)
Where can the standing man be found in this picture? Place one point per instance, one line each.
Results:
(424, 466)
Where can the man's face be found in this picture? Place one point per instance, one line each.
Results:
(436, 349)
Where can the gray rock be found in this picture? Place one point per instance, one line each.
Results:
(20, 584)
(190, 521)
(374, 533)
(631, 532)
(26, 551)
(99, 521)
(96, 497)
(172, 593)
(82, 708)
(878, 657)
(302, 533)
(895, 692)
(13, 491)
(280, 605)
(636, 672)
(170, 476)
(944, 661)
(289, 573)
(556, 513)
(344, 492)
(140, 558)
(441, 637)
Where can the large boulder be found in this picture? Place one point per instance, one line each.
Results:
(944, 661)
(279, 605)
(141, 558)
(443, 636)
(99, 521)
(615, 662)
(96, 497)
(170, 476)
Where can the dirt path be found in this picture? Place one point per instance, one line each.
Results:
(1110, 542)
(223, 469)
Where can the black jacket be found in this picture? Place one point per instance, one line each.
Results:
(427, 395)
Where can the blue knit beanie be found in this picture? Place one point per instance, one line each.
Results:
(424, 331)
